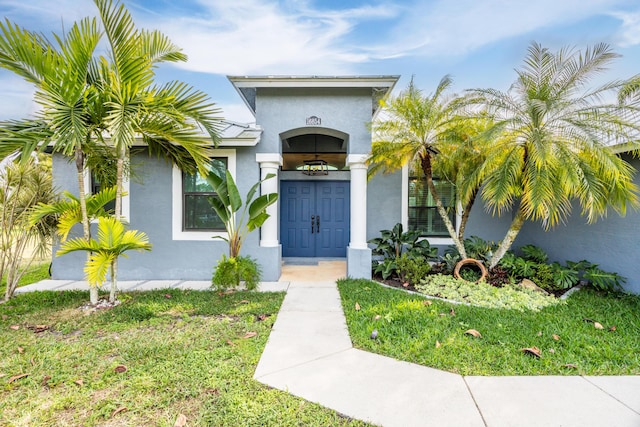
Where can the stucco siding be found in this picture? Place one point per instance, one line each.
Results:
(612, 242)
(345, 110)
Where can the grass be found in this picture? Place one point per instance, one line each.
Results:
(185, 352)
(432, 333)
(35, 273)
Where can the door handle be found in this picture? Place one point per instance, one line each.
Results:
(312, 222)
(317, 223)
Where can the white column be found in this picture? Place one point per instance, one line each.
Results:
(269, 164)
(358, 167)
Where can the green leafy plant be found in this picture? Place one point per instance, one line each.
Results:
(231, 271)
(544, 277)
(603, 280)
(411, 269)
(483, 294)
(564, 277)
(112, 242)
(534, 253)
(393, 244)
(524, 269)
(228, 204)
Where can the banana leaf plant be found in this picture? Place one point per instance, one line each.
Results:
(113, 240)
(228, 205)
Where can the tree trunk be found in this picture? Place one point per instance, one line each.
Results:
(86, 230)
(118, 216)
(114, 281)
(512, 233)
(466, 211)
(428, 173)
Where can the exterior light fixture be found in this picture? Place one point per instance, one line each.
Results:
(315, 167)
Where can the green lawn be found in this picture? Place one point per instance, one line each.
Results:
(185, 352)
(432, 333)
(37, 272)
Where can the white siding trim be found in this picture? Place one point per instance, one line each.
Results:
(176, 205)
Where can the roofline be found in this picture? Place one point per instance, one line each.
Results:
(314, 81)
(244, 84)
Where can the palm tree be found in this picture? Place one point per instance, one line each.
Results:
(61, 74)
(414, 130)
(113, 241)
(90, 102)
(172, 114)
(554, 146)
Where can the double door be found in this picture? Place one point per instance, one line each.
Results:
(314, 218)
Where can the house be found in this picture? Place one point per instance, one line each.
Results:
(313, 134)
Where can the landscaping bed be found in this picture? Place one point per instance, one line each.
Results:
(592, 333)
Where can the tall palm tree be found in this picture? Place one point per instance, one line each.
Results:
(171, 114)
(414, 129)
(61, 73)
(88, 101)
(555, 137)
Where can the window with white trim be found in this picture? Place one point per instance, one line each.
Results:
(192, 217)
(197, 212)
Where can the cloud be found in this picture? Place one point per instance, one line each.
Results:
(445, 27)
(629, 34)
(262, 36)
(17, 98)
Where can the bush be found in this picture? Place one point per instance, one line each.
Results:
(544, 277)
(231, 271)
(412, 270)
(395, 243)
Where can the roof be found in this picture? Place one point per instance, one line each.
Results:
(247, 85)
(239, 134)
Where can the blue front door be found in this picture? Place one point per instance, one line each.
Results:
(314, 218)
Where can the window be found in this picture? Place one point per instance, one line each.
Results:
(96, 186)
(423, 214)
(198, 214)
(192, 217)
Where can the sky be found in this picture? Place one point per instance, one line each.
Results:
(480, 43)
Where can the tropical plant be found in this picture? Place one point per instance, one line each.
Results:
(229, 272)
(554, 142)
(564, 277)
(228, 205)
(534, 253)
(395, 243)
(22, 187)
(603, 280)
(92, 102)
(414, 127)
(66, 212)
(112, 242)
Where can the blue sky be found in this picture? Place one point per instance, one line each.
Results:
(478, 42)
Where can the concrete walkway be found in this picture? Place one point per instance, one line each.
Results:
(309, 354)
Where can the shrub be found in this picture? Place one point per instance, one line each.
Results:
(412, 270)
(231, 271)
(498, 277)
(395, 243)
(544, 277)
